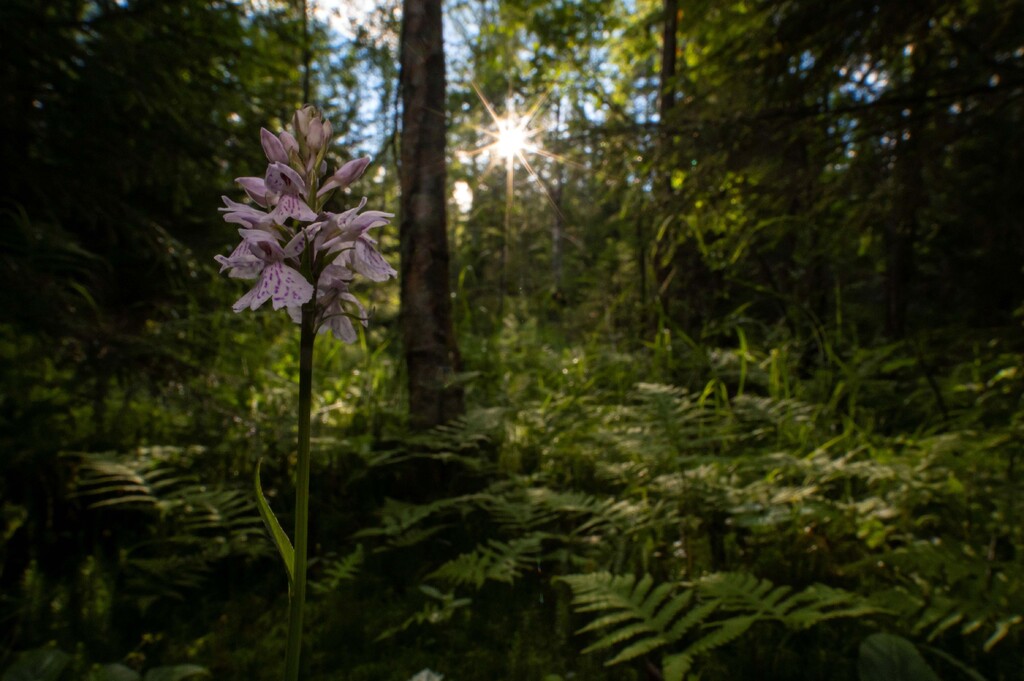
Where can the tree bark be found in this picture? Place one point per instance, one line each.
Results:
(431, 353)
(558, 224)
(664, 267)
(909, 198)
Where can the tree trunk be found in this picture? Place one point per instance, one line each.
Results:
(664, 269)
(558, 224)
(910, 198)
(431, 354)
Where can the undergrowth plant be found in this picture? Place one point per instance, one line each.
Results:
(757, 509)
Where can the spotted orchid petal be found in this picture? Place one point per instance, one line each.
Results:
(336, 274)
(283, 179)
(244, 214)
(256, 236)
(297, 244)
(291, 206)
(338, 323)
(336, 316)
(281, 285)
(366, 261)
(346, 216)
(369, 220)
(241, 263)
(256, 188)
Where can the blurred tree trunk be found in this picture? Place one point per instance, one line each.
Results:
(558, 224)
(664, 269)
(910, 197)
(431, 354)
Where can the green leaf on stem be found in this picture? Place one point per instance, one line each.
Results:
(284, 545)
(41, 664)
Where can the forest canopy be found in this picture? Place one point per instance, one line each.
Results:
(703, 359)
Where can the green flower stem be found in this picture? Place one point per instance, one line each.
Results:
(298, 590)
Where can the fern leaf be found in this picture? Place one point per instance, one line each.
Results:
(691, 619)
(338, 571)
(618, 636)
(725, 632)
(641, 590)
(674, 667)
(1002, 629)
(655, 598)
(636, 649)
(671, 609)
(607, 621)
(636, 611)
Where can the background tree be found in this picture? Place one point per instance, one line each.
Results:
(432, 356)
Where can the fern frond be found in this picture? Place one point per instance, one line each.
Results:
(495, 561)
(399, 518)
(724, 632)
(640, 616)
(813, 605)
(637, 611)
(691, 619)
(674, 667)
(338, 571)
(194, 525)
(624, 634)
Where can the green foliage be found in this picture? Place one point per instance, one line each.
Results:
(50, 664)
(336, 571)
(641, 616)
(495, 561)
(277, 533)
(756, 378)
(438, 609)
(667, 481)
(884, 657)
(191, 524)
(43, 664)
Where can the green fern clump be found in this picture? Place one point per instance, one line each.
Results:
(639, 616)
(191, 525)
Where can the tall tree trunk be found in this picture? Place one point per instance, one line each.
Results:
(558, 224)
(431, 354)
(307, 54)
(901, 235)
(668, 58)
(663, 249)
(557, 233)
(910, 198)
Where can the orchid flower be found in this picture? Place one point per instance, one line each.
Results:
(325, 252)
(345, 234)
(334, 302)
(310, 276)
(245, 215)
(283, 285)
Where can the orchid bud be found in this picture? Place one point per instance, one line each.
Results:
(302, 119)
(315, 136)
(345, 175)
(272, 147)
(289, 142)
